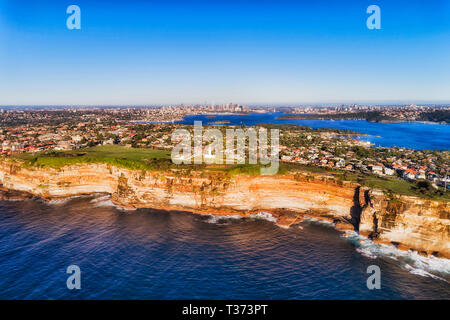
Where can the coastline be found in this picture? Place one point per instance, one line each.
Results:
(408, 223)
(345, 230)
(326, 117)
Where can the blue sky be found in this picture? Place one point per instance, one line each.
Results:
(161, 52)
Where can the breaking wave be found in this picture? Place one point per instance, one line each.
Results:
(319, 221)
(212, 218)
(433, 267)
(103, 201)
(63, 200)
(219, 219)
(264, 216)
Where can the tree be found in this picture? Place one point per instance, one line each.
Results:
(424, 187)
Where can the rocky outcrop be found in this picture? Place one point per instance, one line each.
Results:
(407, 222)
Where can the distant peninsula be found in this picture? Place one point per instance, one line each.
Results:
(438, 116)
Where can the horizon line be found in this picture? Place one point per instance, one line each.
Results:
(252, 104)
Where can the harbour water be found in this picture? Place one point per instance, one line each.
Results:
(414, 135)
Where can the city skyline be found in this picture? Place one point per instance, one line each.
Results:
(252, 53)
(262, 105)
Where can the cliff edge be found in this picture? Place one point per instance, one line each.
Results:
(404, 221)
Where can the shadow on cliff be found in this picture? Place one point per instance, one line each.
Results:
(356, 210)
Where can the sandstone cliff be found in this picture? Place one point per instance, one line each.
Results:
(406, 222)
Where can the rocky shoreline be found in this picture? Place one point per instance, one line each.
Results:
(408, 223)
(14, 195)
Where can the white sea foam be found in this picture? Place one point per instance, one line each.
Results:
(264, 216)
(103, 201)
(216, 219)
(58, 201)
(319, 221)
(62, 200)
(422, 272)
(410, 260)
(260, 215)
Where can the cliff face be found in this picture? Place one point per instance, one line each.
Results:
(407, 222)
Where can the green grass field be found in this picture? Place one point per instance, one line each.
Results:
(152, 159)
(130, 158)
(388, 184)
(398, 186)
(392, 185)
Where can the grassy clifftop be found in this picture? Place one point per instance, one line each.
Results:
(130, 158)
(159, 160)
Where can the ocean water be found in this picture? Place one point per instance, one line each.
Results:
(414, 135)
(150, 254)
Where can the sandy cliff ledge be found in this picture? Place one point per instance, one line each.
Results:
(407, 222)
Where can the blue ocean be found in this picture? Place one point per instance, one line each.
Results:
(149, 254)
